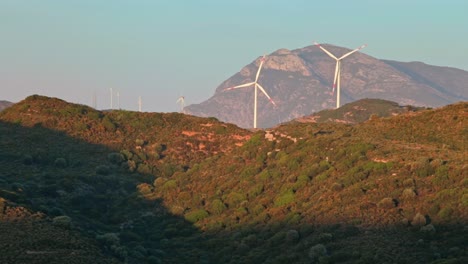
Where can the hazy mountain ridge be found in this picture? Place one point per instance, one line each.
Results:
(300, 82)
(172, 188)
(5, 104)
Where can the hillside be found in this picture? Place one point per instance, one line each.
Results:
(300, 82)
(359, 111)
(172, 188)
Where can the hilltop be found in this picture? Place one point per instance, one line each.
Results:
(300, 82)
(173, 188)
(359, 111)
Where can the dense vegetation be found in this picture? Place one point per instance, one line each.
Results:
(133, 187)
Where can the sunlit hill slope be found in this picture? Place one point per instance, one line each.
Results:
(172, 188)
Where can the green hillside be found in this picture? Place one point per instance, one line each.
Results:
(171, 188)
(359, 111)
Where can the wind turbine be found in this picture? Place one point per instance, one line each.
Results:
(139, 103)
(112, 97)
(336, 80)
(181, 102)
(256, 86)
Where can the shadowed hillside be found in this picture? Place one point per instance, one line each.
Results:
(171, 188)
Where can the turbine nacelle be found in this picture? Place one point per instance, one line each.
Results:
(256, 86)
(336, 80)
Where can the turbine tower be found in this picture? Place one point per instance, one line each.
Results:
(336, 80)
(181, 102)
(256, 86)
(111, 98)
(139, 103)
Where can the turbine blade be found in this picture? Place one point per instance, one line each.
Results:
(326, 51)
(239, 86)
(351, 52)
(265, 93)
(262, 60)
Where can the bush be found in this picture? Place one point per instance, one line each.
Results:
(317, 251)
(196, 215)
(27, 159)
(103, 170)
(60, 163)
(62, 221)
(418, 220)
(285, 198)
(109, 239)
(386, 203)
(235, 198)
(445, 213)
(408, 194)
(292, 236)
(217, 206)
(115, 158)
(108, 124)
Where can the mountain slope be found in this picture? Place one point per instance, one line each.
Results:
(5, 104)
(300, 82)
(171, 188)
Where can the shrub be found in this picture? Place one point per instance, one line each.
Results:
(144, 169)
(196, 215)
(139, 142)
(235, 198)
(103, 170)
(445, 213)
(386, 203)
(285, 198)
(108, 124)
(325, 237)
(27, 159)
(217, 206)
(408, 194)
(418, 220)
(115, 158)
(62, 221)
(317, 251)
(109, 239)
(60, 163)
(292, 236)
(169, 185)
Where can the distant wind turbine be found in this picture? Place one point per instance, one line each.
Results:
(256, 86)
(139, 103)
(181, 102)
(336, 80)
(111, 98)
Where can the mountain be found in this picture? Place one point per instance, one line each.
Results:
(79, 185)
(5, 104)
(300, 81)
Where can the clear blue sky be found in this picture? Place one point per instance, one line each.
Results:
(161, 49)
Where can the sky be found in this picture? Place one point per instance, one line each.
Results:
(77, 50)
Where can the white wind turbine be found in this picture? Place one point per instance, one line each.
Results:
(181, 102)
(256, 85)
(336, 80)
